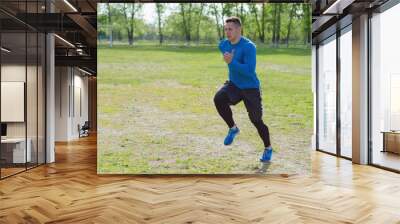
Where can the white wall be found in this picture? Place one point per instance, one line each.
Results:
(62, 81)
(70, 83)
(13, 73)
(81, 89)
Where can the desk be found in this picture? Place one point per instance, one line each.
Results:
(17, 150)
(391, 141)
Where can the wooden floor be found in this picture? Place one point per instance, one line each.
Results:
(387, 159)
(70, 191)
(10, 171)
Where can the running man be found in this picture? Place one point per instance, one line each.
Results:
(239, 53)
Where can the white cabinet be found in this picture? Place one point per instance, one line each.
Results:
(18, 149)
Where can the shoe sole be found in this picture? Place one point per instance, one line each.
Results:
(265, 161)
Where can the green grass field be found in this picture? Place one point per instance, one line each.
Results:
(156, 112)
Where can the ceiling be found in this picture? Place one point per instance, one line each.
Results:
(74, 22)
(328, 15)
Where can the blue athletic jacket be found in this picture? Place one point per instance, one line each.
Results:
(242, 69)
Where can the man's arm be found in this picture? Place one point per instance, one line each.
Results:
(220, 46)
(249, 66)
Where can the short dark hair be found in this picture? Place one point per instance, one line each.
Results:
(234, 19)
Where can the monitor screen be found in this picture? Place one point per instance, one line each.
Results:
(3, 129)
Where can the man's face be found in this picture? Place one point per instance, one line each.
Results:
(232, 31)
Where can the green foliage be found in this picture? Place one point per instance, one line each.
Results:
(204, 22)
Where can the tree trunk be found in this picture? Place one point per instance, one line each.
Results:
(307, 22)
(274, 27)
(278, 30)
(263, 23)
(186, 21)
(254, 10)
(198, 24)
(130, 38)
(237, 9)
(110, 38)
(129, 21)
(189, 25)
(242, 17)
(222, 18)
(183, 19)
(290, 24)
(132, 23)
(159, 12)
(217, 20)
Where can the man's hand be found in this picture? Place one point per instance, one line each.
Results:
(228, 57)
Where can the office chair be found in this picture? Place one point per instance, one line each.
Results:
(84, 130)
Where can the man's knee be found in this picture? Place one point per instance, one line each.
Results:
(220, 98)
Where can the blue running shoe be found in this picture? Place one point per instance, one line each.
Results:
(267, 155)
(231, 135)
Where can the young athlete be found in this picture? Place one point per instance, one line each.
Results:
(239, 53)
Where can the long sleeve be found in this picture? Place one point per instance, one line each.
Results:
(249, 66)
(220, 46)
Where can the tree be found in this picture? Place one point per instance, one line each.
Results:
(160, 8)
(254, 10)
(110, 25)
(274, 28)
(186, 13)
(260, 23)
(102, 21)
(306, 24)
(130, 10)
(202, 22)
(263, 22)
(240, 12)
(242, 16)
(199, 17)
(292, 11)
(222, 19)
(215, 12)
(278, 12)
(237, 10)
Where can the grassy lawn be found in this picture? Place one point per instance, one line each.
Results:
(156, 112)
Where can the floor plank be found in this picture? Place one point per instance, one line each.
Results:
(70, 191)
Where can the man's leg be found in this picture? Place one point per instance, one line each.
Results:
(263, 132)
(252, 101)
(226, 96)
(222, 103)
